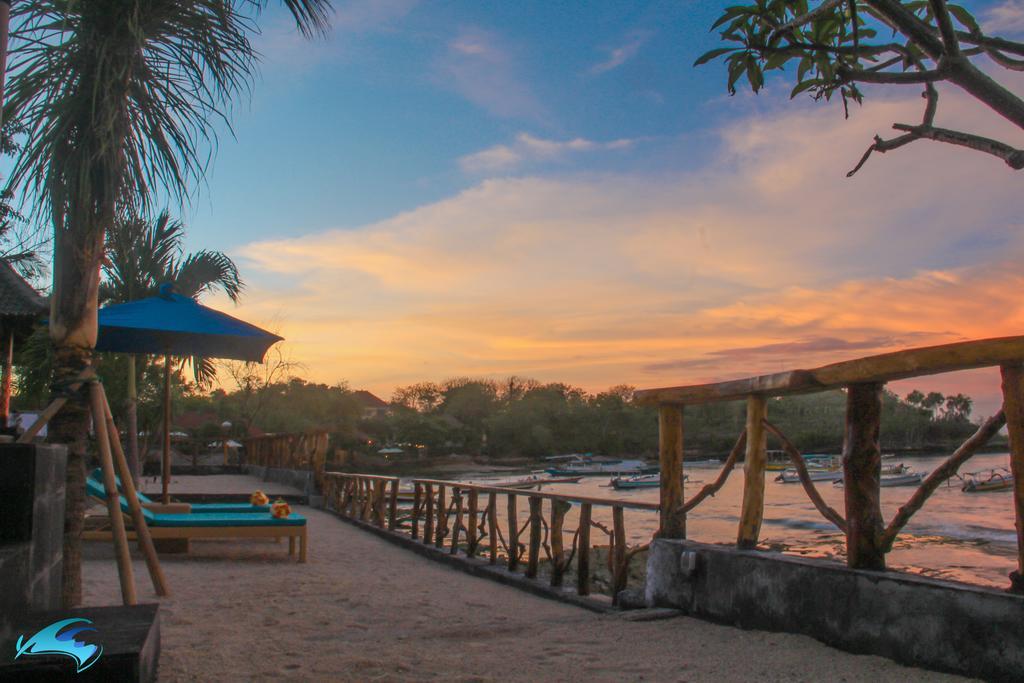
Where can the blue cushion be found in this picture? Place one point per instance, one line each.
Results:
(226, 520)
(97, 474)
(98, 490)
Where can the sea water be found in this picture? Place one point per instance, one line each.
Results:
(959, 536)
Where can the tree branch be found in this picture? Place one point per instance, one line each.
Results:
(946, 29)
(1004, 61)
(1001, 44)
(1013, 157)
(807, 18)
(910, 25)
(901, 77)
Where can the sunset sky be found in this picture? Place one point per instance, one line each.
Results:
(552, 190)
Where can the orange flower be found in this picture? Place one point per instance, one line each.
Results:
(280, 509)
(258, 498)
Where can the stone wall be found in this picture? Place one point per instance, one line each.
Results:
(31, 528)
(912, 619)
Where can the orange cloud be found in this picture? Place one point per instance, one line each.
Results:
(767, 259)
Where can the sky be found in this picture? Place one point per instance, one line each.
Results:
(554, 191)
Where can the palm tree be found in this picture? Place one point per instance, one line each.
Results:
(117, 99)
(142, 255)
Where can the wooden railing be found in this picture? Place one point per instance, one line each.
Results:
(306, 451)
(464, 518)
(868, 537)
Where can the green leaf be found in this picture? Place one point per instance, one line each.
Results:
(805, 85)
(776, 61)
(754, 76)
(965, 18)
(711, 54)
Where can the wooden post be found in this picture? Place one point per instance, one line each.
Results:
(1013, 408)
(393, 506)
(121, 552)
(428, 522)
(670, 455)
(471, 526)
(442, 518)
(620, 572)
(753, 473)
(457, 529)
(533, 561)
(583, 550)
(862, 471)
(417, 492)
(513, 533)
(145, 540)
(380, 497)
(492, 525)
(558, 510)
(167, 432)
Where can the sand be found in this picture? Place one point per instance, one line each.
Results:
(363, 609)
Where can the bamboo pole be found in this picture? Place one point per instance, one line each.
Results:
(492, 525)
(753, 473)
(417, 493)
(145, 540)
(428, 522)
(862, 471)
(513, 532)
(471, 529)
(121, 552)
(583, 550)
(1013, 407)
(166, 462)
(670, 455)
(533, 561)
(379, 489)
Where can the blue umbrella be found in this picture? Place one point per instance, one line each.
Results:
(171, 324)
(175, 325)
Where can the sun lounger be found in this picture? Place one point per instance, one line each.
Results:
(207, 525)
(155, 506)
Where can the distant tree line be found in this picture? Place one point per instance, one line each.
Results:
(524, 417)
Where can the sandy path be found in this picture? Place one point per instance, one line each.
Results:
(363, 609)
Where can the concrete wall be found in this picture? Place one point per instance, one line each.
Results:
(911, 619)
(31, 528)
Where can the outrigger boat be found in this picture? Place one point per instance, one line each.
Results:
(530, 482)
(585, 465)
(639, 481)
(790, 476)
(906, 477)
(996, 479)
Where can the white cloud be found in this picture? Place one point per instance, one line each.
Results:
(529, 148)
(621, 54)
(479, 66)
(1005, 18)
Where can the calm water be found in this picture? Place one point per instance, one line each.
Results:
(956, 535)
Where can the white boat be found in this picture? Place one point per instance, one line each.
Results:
(639, 481)
(997, 479)
(590, 466)
(790, 476)
(904, 478)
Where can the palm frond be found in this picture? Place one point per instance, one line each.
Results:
(206, 271)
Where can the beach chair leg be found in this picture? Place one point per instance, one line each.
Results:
(291, 546)
(302, 546)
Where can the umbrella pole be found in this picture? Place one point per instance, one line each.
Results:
(167, 429)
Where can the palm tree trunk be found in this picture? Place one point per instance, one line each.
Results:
(132, 418)
(73, 311)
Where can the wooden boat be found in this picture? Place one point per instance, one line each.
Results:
(996, 479)
(639, 481)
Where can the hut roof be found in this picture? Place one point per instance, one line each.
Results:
(17, 297)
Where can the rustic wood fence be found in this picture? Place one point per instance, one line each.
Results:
(464, 519)
(868, 537)
(305, 451)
